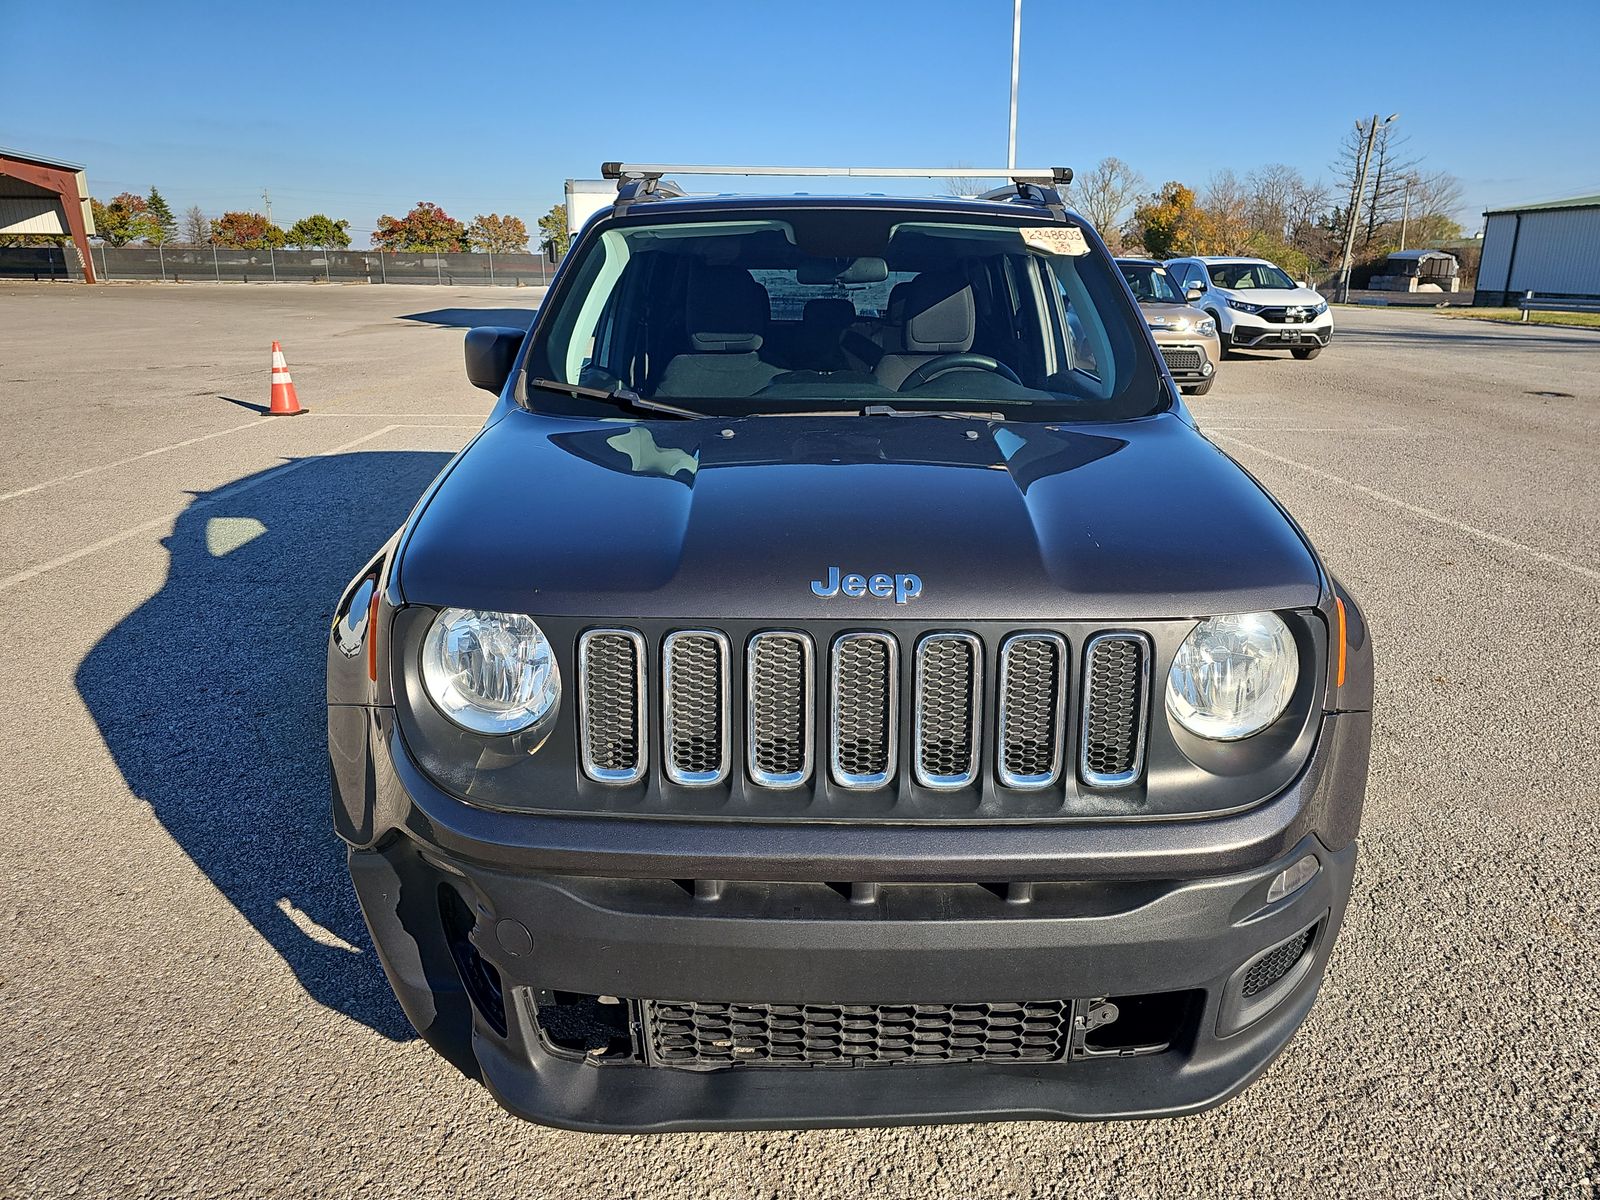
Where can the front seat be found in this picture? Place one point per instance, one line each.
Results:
(941, 318)
(726, 313)
(823, 322)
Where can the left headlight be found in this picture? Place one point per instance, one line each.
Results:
(1322, 307)
(1244, 306)
(1205, 327)
(1233, 676)
(489, 672)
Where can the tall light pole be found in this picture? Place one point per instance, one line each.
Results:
(1016, 59)
(1342, 294)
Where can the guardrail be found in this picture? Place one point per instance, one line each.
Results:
(1531, 303)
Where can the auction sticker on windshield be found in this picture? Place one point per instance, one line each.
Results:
(1056, 239)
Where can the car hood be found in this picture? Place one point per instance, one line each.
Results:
(1272, 296)
(1160, 316)
(715, 519)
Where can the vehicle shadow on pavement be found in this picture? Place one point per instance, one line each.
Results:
(472, 318)
(210, 697)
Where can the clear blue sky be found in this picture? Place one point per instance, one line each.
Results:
(489, 107)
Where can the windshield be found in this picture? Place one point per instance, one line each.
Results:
(777, 310)
(1151, 284)
(1241, 277)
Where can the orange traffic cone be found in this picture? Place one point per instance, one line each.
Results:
(284, 401)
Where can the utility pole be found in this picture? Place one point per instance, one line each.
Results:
(1016, 60)
(1342, 294)
(1405, 213)
(266, 199)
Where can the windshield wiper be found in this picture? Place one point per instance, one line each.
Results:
(617, 395)
(959, 414)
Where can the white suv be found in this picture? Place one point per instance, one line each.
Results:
(1256, 305)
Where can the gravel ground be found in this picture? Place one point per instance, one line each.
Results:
(188, 1002)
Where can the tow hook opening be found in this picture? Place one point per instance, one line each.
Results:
(1126, 1026)
(596, 1028)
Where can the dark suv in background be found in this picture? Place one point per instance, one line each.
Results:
(840, 685)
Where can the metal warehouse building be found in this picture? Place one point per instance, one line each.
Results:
(1550, 249)
(46, 196)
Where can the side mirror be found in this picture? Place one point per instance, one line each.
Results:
(1193, 292)
(550, 255)
(491, 350)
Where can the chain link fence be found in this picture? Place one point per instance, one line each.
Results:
(181, 264)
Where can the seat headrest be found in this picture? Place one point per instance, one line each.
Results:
(940, 315)
(726, 310)
(895, 311)
(828, 313)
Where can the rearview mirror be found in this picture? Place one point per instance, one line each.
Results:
(491, 350)
(866, 269)
(1194, 292)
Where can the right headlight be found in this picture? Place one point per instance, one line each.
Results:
(489, 672)
(1233, 676)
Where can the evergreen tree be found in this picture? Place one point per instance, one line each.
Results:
(163, 225)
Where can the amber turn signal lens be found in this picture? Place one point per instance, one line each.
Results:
(1340, 605)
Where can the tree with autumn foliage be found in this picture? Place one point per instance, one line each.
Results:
(125, 219)
(557, 234)
(497, 234)
(1171, 222)
(426, 227)
(246, 231)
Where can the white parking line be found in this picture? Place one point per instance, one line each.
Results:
(225, 493)
(206, 437)
(1544, 556)
(122, 462)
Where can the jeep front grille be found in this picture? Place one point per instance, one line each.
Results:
(611, 695)
(695, 707)
(865, 704)
(755, 709)
(702, 1034)
(949, 709)
(1116, 681)
(1032, 682)
(779, 706)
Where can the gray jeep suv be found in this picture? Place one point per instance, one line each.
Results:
(781, 715)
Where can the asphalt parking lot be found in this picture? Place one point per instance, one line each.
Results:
(188, 1001)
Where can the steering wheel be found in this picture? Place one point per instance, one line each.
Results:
(956, 362)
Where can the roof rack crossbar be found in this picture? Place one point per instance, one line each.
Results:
(624, 171)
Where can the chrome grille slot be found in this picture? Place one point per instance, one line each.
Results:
(695, 706)
(949, 691)
(864, 687)
(1032, 694)
(1116, 687)
(611, 709)
(778, 709)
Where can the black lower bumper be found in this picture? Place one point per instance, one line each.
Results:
(478, 947)
(1279, 337)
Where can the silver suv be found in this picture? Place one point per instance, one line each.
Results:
(1256, 305)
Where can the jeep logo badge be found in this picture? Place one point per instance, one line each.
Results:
(901, 587)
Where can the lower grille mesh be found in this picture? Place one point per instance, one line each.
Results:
(693, 1033)
(1277, 964)
(1182, 358)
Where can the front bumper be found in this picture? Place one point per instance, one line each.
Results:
(1249, 331)
(1190, 359)
(628, 911)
